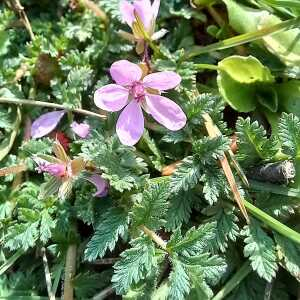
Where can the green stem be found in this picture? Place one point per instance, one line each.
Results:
(234, 281)
(17, 101)
(70, 270)
(11, 261)
(206, 66)
(273, 223)
(154, 237)
(244, 38)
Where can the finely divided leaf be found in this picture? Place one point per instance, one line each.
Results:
(113, 225)
(260, 249)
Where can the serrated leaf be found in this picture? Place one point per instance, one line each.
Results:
(289, 134)
(195, 240)
(113, 225)
(291, 255)
(253, 142)
(178, 281)
(151, 210)
(135, 264)
(186, 176)
(261, 251)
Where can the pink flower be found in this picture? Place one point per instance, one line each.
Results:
(81, 129)
(100, 184)
(143, 8)
(135, 93)
(45, 123)
(54, 169)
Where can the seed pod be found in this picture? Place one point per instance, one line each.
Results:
(278, 172)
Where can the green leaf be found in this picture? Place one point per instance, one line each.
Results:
(135, 264)
(152, 208)
(260, 249)
(180, 208)
(47, 223)
(113, 225)
(253, 142)
(195, 240)
(238, 77)
(207, 150)
(289, 134)
(291, 255)
(186, 175)
(178, 281)
(288, 95)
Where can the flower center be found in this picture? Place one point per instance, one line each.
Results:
(138, 91)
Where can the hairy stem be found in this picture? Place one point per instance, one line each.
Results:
(154, 237)
(17, 101)
(70, 270)
(104, 294)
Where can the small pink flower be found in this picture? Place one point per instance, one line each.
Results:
(81, 129)
(146, 11)
(54, 169)
(135, 93)
(100, 184)
(45, 123)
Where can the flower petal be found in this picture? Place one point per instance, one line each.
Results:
(155, 9)
(111, 97)
(100, 184)
(162, 80)
(126, 10)
(46, 123)
(130, 125)
(143, 8)
(166, 112)
(81, 129)
(124, 72)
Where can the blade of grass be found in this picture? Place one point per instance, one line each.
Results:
(274, 189)
(11, 261)
(234, 281)
(244, 38)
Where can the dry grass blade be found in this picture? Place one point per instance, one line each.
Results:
(13, 170)
(210, 127)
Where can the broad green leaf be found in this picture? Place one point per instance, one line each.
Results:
(285, 44)
(240, 80)
(246, 69)
(289, 96)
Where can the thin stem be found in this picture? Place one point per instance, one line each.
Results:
(17, 101)
(273, 223)
(244, 38)
(234, 281)
(47, 275)
(18, 8)
(7, 264)
(206, 66)
(70, 270)
(96, 10)
(154, 237)
(104, 294)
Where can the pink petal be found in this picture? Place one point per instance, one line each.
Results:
(100, 184)
(130, 125)
(81, 129)
(155, 8)
(143, 8)
(162, 80)
(126, 10)
(57, 170)
(124, 72)
(46, 123)
(111, 97)
(166, 112)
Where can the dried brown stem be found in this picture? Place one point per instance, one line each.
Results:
(70, 271)
(95, 9)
